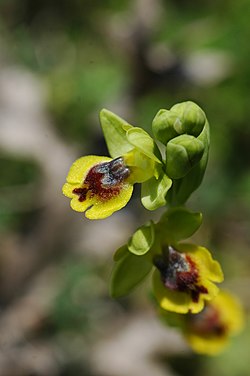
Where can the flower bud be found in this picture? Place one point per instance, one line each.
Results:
(182, 154)
(182, 118)
(182, 188)
(164, 124)
(192, 118)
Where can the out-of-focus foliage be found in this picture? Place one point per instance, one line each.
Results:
(92, 54)
(63, 42)
(18, 184)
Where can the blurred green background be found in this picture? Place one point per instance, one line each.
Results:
(61, 62)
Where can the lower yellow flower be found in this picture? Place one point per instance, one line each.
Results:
(209, 331)
(98, 185)
(184, 279)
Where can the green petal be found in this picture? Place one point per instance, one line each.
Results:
(142, 141)
(127, 273)
(142, 240)
(153, 192)
(178, 224)
(115, 129)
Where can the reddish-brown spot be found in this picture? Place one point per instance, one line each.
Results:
(104, 180)
(188, 281)
(81, 192)
(179, 272)
(207, 322)
(94, 183)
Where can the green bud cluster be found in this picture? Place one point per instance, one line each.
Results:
(184, 131)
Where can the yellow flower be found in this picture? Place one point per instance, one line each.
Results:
(209, 331)
(98, 185)
(184, 278)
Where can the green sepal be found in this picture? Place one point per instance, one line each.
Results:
(115, 129)
(122, 137)
(142, 240)
(143, 142)
(127, 273)
(178, 224)
(154, 191)
(182, 153)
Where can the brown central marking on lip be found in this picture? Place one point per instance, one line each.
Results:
(179, 273)
(104, 180)
(207, 322)
(188, 280)
(81, 192)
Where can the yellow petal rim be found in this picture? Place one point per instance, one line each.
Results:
(208, 267)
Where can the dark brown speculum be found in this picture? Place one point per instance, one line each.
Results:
(179, 273)
(104, 180)
(207, 322)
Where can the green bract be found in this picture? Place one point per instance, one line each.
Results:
(128, 272)
(142, 240)
(178, 224)
(120, 253)
(154, 191)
